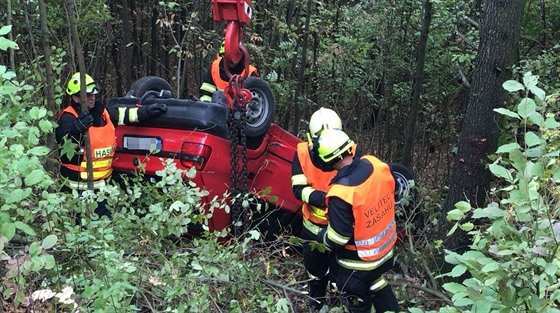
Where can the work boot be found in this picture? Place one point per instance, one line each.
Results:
(317, 291)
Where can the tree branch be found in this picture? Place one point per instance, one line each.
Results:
(463, 77)
(468, 41)
(436, 293)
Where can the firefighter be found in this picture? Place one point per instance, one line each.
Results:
(216, 77)
(361, 223)
(73, 123)
(310, 183)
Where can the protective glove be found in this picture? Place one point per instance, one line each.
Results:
(151, 111)
(83, 122)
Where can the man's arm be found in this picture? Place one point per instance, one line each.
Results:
(208, 87)
(301, 188)
(125, 116)
(341, 224)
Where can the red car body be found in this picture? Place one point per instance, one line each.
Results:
(187, 143)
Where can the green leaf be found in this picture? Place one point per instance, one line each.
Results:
(539, 93)
(6, 44)
(482, 306)
(463, 206)
(458, 270)
(49, 241)
(489, 212)
(467, 226)
(490, 267)
(530, 80)
(68, 148)
(533, 152)
(551, 123)
(45, 126)
(18, 195)
(37, 113)
(536, 119)
(5, 30)
(508, 147)
(24, 228)
(512, 86)
(519, 160)
(50, 262)
(39, 151)
(526, 107)
(500, 171)
(35, 177)
(531, 139)
(507, 112)
(454, 287)
(8, 230)
(455, 215)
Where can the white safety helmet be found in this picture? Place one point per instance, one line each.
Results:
(323, 119)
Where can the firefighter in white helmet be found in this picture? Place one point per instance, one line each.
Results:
(310, 182)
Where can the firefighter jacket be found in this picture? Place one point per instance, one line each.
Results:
(309, 184)
(216, 78)
(103, 145)
(103, 142)
(361, 212)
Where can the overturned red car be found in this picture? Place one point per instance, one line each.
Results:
(195, 133)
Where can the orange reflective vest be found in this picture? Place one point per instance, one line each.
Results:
(317, 179)
(218, 81)
(103, 144)
(373, 207)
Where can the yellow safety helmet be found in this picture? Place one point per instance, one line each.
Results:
(333, 143)
(74, 85)
(323, 119)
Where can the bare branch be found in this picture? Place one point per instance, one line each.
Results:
(473, 22)
(463, 77)
(436, 293)
(468, 41)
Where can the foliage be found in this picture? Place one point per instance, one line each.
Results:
(56, 253)
(23, 188)
(514, 259)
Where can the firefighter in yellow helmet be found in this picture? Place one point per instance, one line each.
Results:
(310, 182)
(73, 123)
(216, 77)
(361, 229)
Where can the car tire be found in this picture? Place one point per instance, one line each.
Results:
(147, 83)
(406, 199)
(404, 182)
(259, 111)
(261, 108)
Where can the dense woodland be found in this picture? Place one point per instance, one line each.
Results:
(460, 91)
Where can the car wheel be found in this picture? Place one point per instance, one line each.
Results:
(261, 108)
(404, 182)
(147, 83)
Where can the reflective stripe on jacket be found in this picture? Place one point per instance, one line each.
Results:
(373, 208)
(221, 84)
(317, 180)
(103, 144)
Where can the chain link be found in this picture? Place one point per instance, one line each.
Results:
(237, 123)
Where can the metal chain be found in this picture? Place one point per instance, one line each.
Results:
(237, 123)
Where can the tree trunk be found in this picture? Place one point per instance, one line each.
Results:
(470, 178)
(154, 40)
(127, 24)
(408, 146)
(49, 87)
(83, 95)
(11, 36)
(301, 73)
